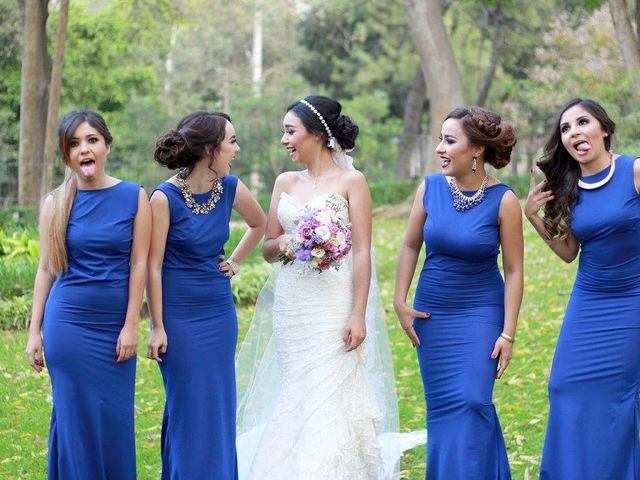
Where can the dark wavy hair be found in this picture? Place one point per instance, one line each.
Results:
(341, 126)
(562, 171)
(486, 128)
(196, 134)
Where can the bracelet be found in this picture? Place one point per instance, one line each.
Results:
(508, 338)
(233, 265)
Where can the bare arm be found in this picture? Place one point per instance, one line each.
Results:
(566, 249)
(636, 174)
(360, 214)
(42, 286)
(275, 240)
(511, 240)
(407, 260)
(161, 218)
(127, 344)
(249, 209)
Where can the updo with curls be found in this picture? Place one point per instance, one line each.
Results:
(341, 126)
(196, 135)
(487, 129)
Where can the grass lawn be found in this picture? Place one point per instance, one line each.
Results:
(520, 397)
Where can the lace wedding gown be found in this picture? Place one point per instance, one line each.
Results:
(307, 408)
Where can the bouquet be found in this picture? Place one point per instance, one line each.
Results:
(321, 240)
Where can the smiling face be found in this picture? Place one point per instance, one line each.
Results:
(227, 151)
(583, 136)
(455, 152)
(87, 153)
(300, 144)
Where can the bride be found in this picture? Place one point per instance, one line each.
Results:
(315, 382)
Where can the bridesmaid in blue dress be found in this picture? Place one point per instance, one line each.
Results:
(194, 325)
(463, 320)
(94, 234)
(592, 205)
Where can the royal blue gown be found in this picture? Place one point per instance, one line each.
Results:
(592, 433)
(199, 424)
(92, 421)
(461, 286)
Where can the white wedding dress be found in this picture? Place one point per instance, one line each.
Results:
(309, 410)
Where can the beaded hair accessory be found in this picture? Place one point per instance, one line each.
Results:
(330, 140)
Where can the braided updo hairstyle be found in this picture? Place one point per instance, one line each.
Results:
(185, 145)
(487, 129)
(341, 126)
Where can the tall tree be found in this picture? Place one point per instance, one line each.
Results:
(410, 125)
(33, 100)
(627, 41)
(497, 19)
(54, 99)
(441, 72)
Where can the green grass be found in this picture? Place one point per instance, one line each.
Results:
(520, 397)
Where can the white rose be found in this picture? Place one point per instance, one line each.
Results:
(323, 232)
(323, 217)
(317, 252)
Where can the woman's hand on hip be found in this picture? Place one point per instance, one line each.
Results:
(406, 315)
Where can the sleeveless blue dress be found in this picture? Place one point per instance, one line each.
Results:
(92, 421)
(198, 370)
(461, 286)
(592, 433)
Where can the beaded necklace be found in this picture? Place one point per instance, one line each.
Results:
(198, 208)
(462, 202)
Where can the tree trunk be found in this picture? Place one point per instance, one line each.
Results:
(627, 41)
(637, 19)
(497, 46)
(54, 100)
(411, 123)
(256, 50)
(441, 73)
(33, 100)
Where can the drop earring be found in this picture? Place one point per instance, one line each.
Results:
(474, 165)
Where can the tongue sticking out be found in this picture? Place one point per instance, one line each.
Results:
(88, 169)
(583, 147)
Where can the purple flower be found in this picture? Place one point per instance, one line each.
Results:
(304, 255)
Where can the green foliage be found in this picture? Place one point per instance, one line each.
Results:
(18, 218)
(19, 244)
(392, 192)
(15, 312)
(247, 284)
(16, 276)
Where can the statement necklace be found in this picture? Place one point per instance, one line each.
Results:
(198, 208)
(593, 186)
(462, 202)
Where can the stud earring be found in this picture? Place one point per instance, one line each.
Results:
(474, 165)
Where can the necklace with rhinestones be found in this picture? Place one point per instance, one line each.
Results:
(462, 202)
(198, 208)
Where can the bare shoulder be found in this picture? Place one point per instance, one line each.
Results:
(510, 205)
(286, 180)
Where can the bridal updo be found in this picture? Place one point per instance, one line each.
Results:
(196, 135)
(341, 126)
(486, 128)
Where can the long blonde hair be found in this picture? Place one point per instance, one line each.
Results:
(64, 195)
